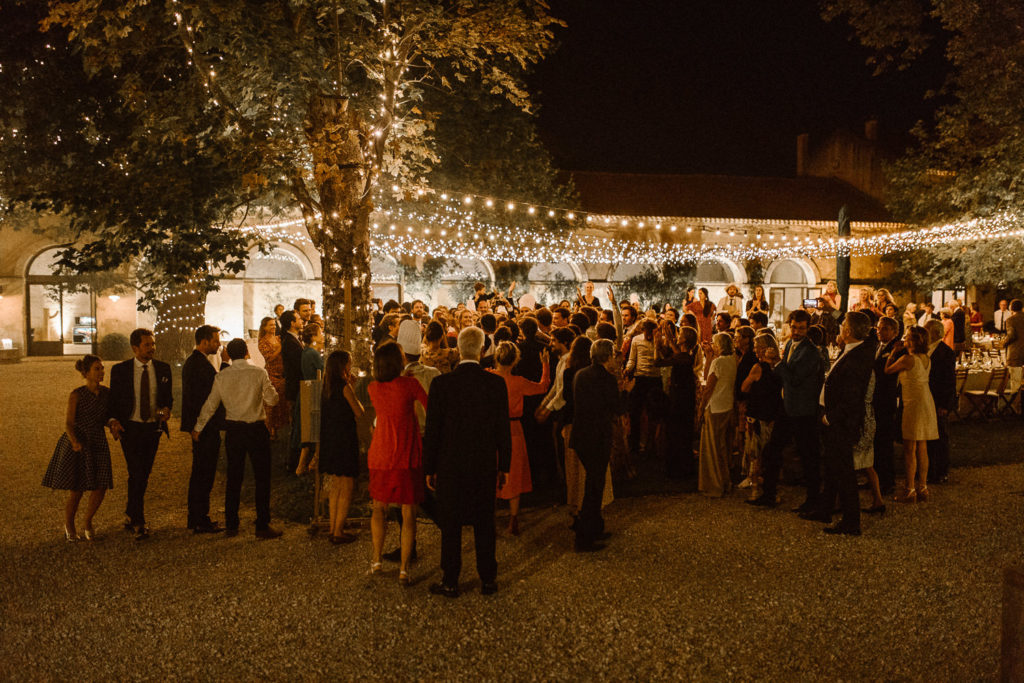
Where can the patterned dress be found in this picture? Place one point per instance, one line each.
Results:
(88, 469)
(270, 348)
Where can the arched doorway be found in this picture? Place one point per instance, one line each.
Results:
(552, 282)
(717, 275)
(280, 276)
(60, 311)
(789, 282)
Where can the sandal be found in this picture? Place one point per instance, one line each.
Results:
(376, 568)
(403, 578)
(922, 495)
(909, 496)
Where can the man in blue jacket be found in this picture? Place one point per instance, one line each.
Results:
(802, 372)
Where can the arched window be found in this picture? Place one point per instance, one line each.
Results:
(788, 272)
(281, 262)
(60, 311)
(712, 271)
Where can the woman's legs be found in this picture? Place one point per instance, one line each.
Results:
(341, 501)
(876, 491)
(910, 461)
(70, 509)
(922, 464)
(95, 499)
(408, 535)
(377, 528)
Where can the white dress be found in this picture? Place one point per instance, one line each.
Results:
(920, 422)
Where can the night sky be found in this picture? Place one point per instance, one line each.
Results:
(710, 86)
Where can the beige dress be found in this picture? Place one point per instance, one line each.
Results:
(920, 422)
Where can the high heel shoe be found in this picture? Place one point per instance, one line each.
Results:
(403, 578)
(909, 496)
(69, 537)
(376, 568)
(88, 534)
(922, 495)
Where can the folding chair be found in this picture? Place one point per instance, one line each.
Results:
(961, 382)
(980, 399)
(1006, 396)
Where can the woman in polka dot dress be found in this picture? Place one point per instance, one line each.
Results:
(81, 460)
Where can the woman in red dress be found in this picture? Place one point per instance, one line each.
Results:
(704, 311)
(269, 345)
(518, 481)
(395, 458)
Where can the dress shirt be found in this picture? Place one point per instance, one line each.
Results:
(554, 401)
(243, 388)
(136, 410)
(1000, 318)
(641, 358)
(846, 349)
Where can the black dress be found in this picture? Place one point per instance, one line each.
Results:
(339, 439)
(682, 409)
(88, 469)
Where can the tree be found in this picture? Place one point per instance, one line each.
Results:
(665, 284)
(329, 91)
(144, 197)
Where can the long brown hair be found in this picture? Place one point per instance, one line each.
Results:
(334, 373)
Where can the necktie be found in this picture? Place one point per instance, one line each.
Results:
(145, 410)
(789, 354)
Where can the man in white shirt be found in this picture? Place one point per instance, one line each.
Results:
(1002, 314)
(732, 302)
(243, 389)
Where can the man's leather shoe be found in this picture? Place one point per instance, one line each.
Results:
(840, 530)
(488, 588)
(231, 531)
(446, 591)
(396, 555)
(589, 547)
(761, 502)
(269, 532)
(207, 528)
(814, 516)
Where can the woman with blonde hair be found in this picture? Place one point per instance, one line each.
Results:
(518, 482)
(831, 297)
(920, 423)
(717, 407)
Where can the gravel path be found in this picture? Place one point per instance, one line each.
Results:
(688, 588)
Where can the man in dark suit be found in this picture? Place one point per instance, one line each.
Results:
(140, 404)
(942, 382)
(467, 451)
(843, 398)
(883, 402)
(598, 396)
(291, 357)
(801, 370)
(197, 377)
(959, 318)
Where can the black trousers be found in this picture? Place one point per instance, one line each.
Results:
(205, 453)
(938, 452)
(679, 427)
(885, 453)
(589, 523)
(646, 395)
(840, 477)
(252, 439)
(451, 547)
(804, 431)
(139, 442)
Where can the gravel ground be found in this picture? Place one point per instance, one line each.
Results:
(688, 588)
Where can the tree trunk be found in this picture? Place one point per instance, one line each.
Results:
(342, 234)
(177, 317)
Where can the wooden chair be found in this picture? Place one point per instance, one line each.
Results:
(1006, 397)
(961, 382)
(984, 402)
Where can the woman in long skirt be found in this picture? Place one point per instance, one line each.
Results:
(717, 409)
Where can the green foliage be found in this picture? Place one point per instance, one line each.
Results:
(966, 162)
(507, 272)
(660, 285)
(427, 276)
(994, 263)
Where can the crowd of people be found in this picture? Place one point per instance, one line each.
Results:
(495, 397)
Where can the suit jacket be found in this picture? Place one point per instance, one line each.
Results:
(959, 325)
(596, 402)
(529, 365)
(846, 386)
(801, 375)
(886, 386)
(942, 377)
(467, 440)
(197, 377)
(291, 355)
(122, 389)
(1015, 340)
